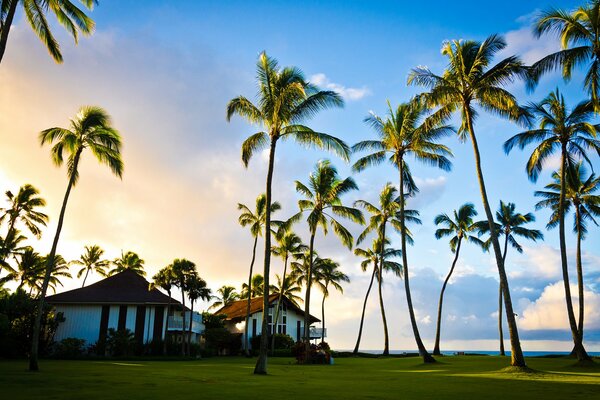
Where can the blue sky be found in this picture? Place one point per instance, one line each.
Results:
(166, 71)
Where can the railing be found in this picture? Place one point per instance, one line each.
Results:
(176, 323)
(315, 333)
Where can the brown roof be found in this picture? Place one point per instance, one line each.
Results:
(237, 309)
(126, 287)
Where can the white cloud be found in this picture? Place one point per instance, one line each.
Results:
(522, 42)
(542, 261)
(347, 93)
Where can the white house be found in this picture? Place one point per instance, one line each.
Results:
(121, 301)
(290, 322)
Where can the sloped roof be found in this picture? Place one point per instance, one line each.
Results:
(126, 287)
(236, 311)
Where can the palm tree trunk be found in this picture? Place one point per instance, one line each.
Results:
(362, 317)
(579, 273)
(386, 335)
(427, 358)
(6, 27)
(166, 325)
(436, 349)
(189, 335)
(323, 318)
(517, 358)
(261, 363)
(307, 297)
(87, 271)
(33, 358)
(281, 291)
(500, 297)
(246, 339)
(580, 352)
(183, 322)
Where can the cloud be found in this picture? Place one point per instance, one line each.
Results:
(347, 93)
(430, 189)
(531, 49)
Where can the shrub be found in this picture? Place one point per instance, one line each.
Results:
(282, 342)
(120, 342)
(221, 341)
(69, 348)
(317, 354)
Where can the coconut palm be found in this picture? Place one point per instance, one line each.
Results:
(568, 132)
(330, 275)
(196, 289)
(91, 129)
(471, 81)
(580, 195)
(29, 269)
(256, 221)
(322, 202)
(509, 223)
(460, 226)
(285, 101)
(10, 246)
(371, 256)
(91, 261)
(579, 33)
(388, 212)
(184, 272)
(165, 279)
(255, 289)
(225, 296)
(288, 244)
(288, 288)
(406, 132)
(73, 19)
(129, 261)
(60, 269)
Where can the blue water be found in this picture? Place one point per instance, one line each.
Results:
(491, 353)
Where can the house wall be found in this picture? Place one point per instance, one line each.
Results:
(292, 318)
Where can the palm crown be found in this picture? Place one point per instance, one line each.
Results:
(460, 226)
(256, 219)
(22, 207)
(128, 261)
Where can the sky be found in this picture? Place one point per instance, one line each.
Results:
(165, 72)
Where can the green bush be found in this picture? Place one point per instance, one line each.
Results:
(69, 348)
(282, 342)
(221, 341)
(120, 342)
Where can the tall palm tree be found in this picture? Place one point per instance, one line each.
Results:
(197, 288)
(371, 256)
(579, 33)
(509, 223)
(256, 220)
(129, 261)
(330, 275)
(91, 129)
(579, 195)
(569, 132)
(285, 101)
(322, 202)
(406, 132)
(388, 212)
(459, 228)
(91, 261)
(225, 296)
(165, 279)
(184, 272)
(470, 81)
(73, 19)
(288, 244)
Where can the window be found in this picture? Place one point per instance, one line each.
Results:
(282, 320)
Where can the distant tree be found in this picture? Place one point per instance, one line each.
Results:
(91, 261)
(184, 271)
(330, 275)
(256, 288)
(289, 289)
(196, 289)
(165, 279)
(225, 296)
(129, 261)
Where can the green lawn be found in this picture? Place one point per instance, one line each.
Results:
(467, 377)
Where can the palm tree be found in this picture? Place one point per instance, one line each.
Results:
(388, 212)
(579, 194)
(371, 256)
(129, 261)
(471, 80)
(60, 269)
(256, 220)
(67, 14)
(184, 272)
(288, 288)
(579, 33)
(570, 132)
(10, 246)
(322, 202)
(92, 130)
(461, 228)
(29, 269)
(226, 296)
(165, 279)
(405, 132)
(288, 244)
(196, 289)
(330, 274)
(509, 224)
(91, 261)
(255, 289)
(285, 100)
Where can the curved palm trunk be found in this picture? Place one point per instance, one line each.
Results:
(33, 357)
(427, 358)
(307, 297)
(261, 363)
(246, 339)
(183, 322)
(578, 349)
(167, 326)
(386, 335)
(87, 271)
(6, 27)
(436, 349)
(362, 317)
(323, 318)
(500, 297)
(281, 291)
(517, 358)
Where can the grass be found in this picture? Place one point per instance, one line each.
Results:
(350, 378)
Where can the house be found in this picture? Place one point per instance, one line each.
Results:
(290, 322)
(121, 301)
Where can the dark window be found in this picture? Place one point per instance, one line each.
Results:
(122, 318)
(254, 327)
(159, 312)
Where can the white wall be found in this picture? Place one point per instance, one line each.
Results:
(81, 321)
(291, 322)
